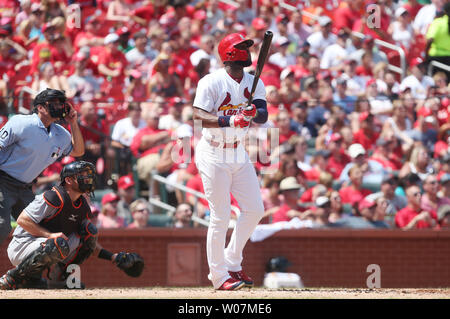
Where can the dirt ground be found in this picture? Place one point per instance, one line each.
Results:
(209, 293)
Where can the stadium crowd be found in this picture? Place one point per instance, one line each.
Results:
(361, 144)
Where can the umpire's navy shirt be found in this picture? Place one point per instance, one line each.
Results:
(27, 147)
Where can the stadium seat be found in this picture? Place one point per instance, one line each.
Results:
(160, 220)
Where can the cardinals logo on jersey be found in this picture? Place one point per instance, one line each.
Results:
(230, 109)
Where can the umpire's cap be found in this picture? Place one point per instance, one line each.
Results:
(49, 95)
(277, 264)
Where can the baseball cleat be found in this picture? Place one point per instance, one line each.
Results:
(7, 282)
(240, 275)
(232, 284)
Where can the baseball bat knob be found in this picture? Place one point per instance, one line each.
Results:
(248, 108)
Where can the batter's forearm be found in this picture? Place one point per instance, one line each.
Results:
(208, 120)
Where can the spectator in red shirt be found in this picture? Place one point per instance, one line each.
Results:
(384, 155)
(181, 51)
(202, 205)
(366, 135)
(94, 132)
(164, 83)
(42, 52)
(271, 196)
(283, 122)
(119, 11)
(88, 36)
(144, 13)
(273, 101)
(412, 216)
(111, 65)
(441, 146)
(147, 145)
(346, 15)
(431, 201)
(363, 26)
(319, 164)
(366, 68)
(23, 35)
(354, 193)
(413, 7)
(290, 190)
(270, 74)
(338, 159)
(7, 63)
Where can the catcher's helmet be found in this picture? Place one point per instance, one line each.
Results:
(232, 47)
(48, 97)
(277, 264)
(86, 182)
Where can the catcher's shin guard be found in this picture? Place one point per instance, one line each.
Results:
(88, 241)
(50, 252)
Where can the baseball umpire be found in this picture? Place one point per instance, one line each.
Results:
(55, 230)
(30, 143)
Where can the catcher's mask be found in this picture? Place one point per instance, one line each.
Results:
(86, 181)
(55, 101)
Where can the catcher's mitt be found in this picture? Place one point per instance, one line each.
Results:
(131, 263)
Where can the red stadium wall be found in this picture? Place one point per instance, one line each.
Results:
(323, 258)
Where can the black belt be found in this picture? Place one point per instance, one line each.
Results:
(14, 181)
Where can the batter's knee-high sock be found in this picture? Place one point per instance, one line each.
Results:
(244, 228)
(215, 247)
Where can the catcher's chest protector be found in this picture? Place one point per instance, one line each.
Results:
(70, 214)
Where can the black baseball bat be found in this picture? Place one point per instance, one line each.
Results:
(263, 51)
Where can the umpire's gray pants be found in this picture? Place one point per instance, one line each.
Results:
(14, 197)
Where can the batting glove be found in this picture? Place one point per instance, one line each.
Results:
(238, 121)
(249, 112)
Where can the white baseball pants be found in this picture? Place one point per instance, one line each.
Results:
(225, 170)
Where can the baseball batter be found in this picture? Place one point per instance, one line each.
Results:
(221, 106)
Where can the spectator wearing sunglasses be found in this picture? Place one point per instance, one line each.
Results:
(140, 213)
(430, 199)
(413, 216)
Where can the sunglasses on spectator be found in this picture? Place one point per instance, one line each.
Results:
(141, 210)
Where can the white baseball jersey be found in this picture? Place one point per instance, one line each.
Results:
(218, 93)
(221, 95)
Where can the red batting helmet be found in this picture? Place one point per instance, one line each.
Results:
(232, 47)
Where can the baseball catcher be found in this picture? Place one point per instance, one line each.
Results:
(55, 230)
